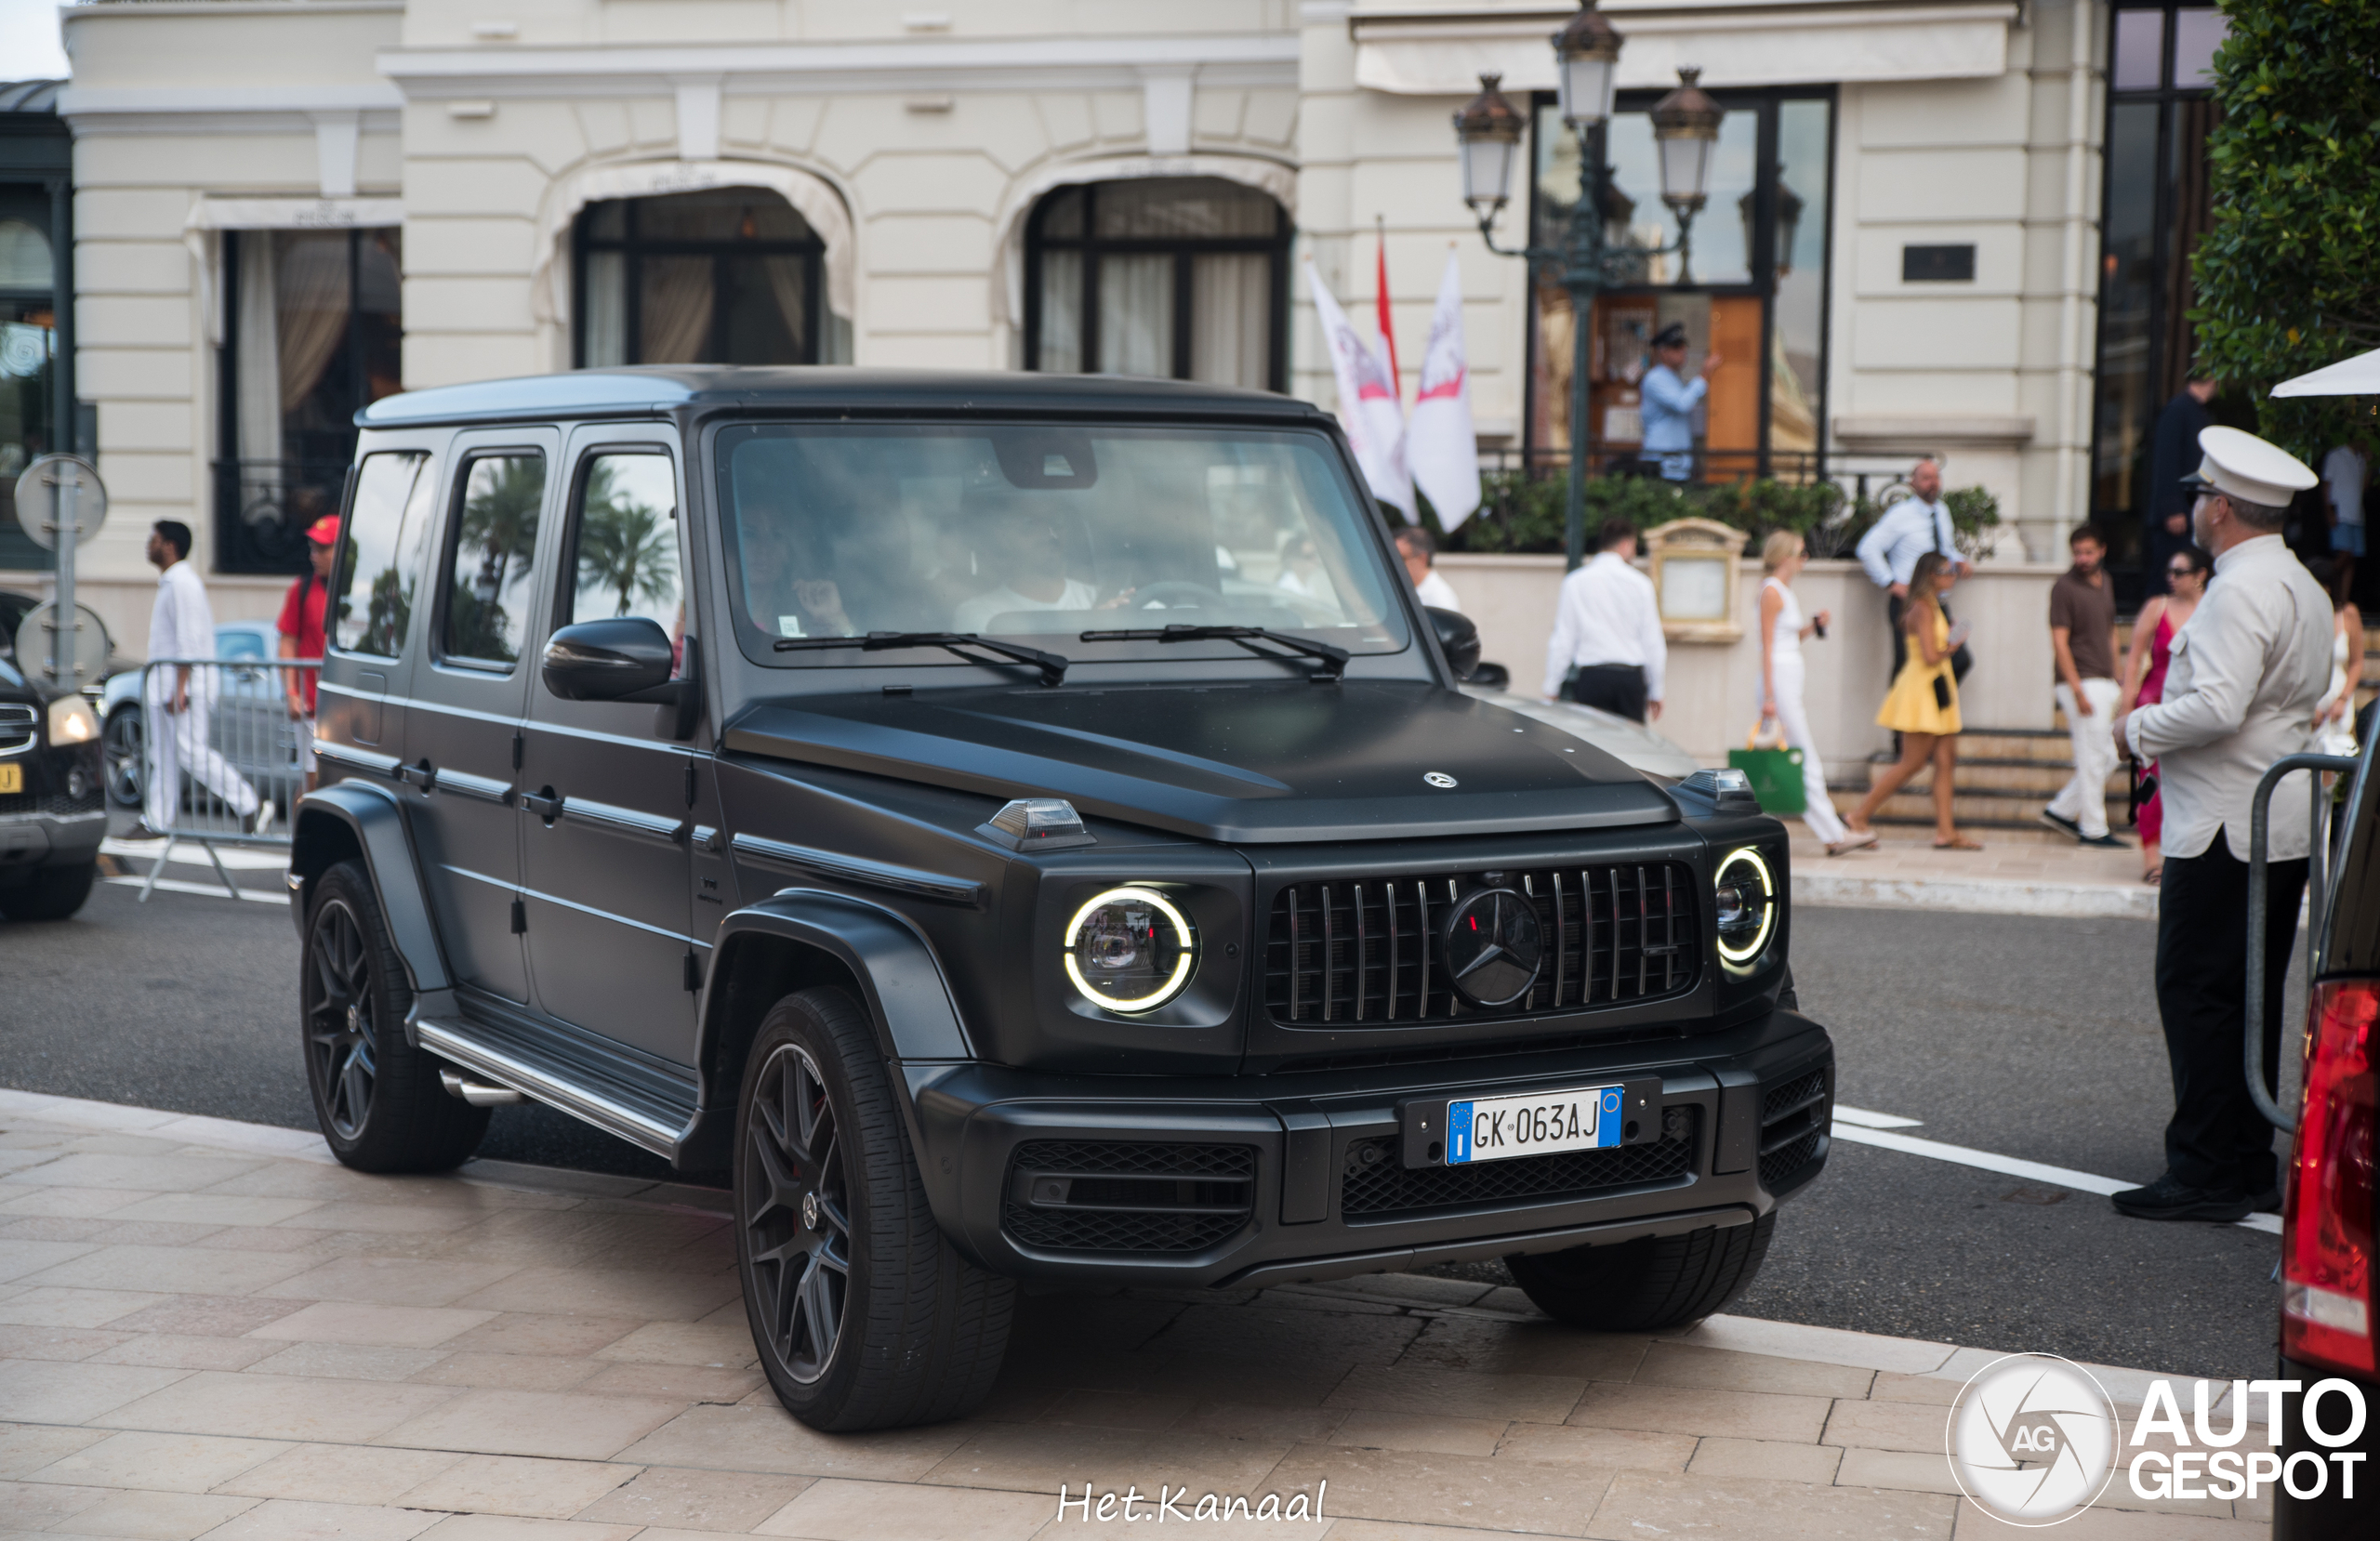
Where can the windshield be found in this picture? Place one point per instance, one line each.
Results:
(1042, 533)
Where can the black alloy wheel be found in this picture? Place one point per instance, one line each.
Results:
(862, 1313)
(124, 741)
(342, 1039)
(796, 1215)
(377, 1099)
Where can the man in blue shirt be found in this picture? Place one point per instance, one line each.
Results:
(1668, 400)
(1918, 523)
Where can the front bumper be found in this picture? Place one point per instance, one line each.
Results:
(1271, 1179)
(43, 824)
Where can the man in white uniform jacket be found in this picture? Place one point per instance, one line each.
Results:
(179, 699)
(2248, 671)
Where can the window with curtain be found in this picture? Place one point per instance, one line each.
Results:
(28, 362)
(728, 275)
(1753, 287)
(2160, 112)
(1182, 277)
(313, 332)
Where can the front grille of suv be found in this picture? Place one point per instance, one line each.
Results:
(1089, 1195)
(1792, 1125)
(1365, 954)
(1374, 1183)
(17, 726)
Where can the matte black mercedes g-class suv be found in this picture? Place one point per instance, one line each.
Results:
(1026, 829)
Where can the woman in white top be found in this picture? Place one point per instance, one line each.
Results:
(1781, 630)
(2335, 718)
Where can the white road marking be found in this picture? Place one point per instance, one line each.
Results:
(175, 885)
(237, 858)
(1868, 1120)
(2014, 1167)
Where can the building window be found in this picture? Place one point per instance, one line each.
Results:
(2160, 112)
(28, 362)
(1182, 277)
(732, 275)
(313, 326)
(1754, 289)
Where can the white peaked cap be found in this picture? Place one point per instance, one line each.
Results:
(2249, 468)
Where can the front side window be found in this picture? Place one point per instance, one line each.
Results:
(491, 557)
(1041, 534)
(379, 566)
(314, 323)
(626, 555)
(1181, 277)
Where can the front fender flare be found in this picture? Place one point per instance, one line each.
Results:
(374, 823)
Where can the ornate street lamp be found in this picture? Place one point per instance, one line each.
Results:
(1789, 222)
(1590, 257)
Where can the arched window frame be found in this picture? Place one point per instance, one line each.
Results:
(635, 248)
(1183, 249)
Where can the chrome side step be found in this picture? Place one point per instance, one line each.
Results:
(452, 1040)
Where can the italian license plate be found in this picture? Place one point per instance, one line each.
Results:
(12, 778)
(1546, 1124)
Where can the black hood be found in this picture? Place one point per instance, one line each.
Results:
(1253, 763)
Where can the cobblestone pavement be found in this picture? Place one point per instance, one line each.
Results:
(210, 1329)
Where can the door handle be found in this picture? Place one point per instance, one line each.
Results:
(421, 775)
(545, 805)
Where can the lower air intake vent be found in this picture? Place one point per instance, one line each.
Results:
(1081, 1195)
(1792, 1130)
(1375, 1184)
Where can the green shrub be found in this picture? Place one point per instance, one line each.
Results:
(1519, 512)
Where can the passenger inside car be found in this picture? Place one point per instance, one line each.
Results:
(1027, 560)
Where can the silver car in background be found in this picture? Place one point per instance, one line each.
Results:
(250, 724)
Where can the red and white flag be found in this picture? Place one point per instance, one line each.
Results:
(1442, 447)
(1368, 409)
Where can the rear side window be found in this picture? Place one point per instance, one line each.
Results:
(381, 567)
(492, 556)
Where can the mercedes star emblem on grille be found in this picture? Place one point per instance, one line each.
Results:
(1439, 779)
(1493, 946)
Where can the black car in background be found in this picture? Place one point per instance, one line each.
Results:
(53, 810)
(1025, 827)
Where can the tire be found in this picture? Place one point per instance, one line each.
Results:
(123, 743)
(377, 1099)
(50, 893)
(863, 1314)
(1645, 1286)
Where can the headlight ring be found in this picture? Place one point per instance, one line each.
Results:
(1744, 900)
(1131, 950)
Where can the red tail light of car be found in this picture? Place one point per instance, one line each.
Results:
(2326, 1253)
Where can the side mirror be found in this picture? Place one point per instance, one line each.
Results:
(627, 659)
(1457, 639)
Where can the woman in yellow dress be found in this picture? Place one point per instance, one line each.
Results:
(1923, 705)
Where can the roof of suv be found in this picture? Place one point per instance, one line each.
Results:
(662, 388)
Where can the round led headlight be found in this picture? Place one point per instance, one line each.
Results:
(1745, 902)
(1131, 950)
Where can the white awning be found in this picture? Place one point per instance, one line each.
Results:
(2356, 376)
(1446, 55)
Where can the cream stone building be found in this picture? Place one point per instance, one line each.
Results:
(1914, 241)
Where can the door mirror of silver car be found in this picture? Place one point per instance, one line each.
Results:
(1458, 639)
(627, 659)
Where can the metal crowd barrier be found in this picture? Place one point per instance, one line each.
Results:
(207, 769)
(2318, 887)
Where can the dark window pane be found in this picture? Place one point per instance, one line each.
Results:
(1801, 214)
(1167, 207)
(676, 299)
(2139, 61)
(381, 561)
(607, 221)
(727, 214)
(628, 557)
(767, 309)
(1061, 215)
(2196, 37)
(2128, 282)
(492, 552)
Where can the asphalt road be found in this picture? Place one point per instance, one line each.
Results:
(2025, 1037)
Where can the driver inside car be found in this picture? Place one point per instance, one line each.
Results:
(1026, 555)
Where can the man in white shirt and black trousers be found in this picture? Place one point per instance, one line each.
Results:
(1607, 650)
(2248, 671)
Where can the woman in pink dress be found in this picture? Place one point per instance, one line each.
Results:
(2144, 672)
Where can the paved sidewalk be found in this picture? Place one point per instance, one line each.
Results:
(2048, 876)
(210, 1329)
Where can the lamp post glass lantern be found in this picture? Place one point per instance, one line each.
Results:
(1585, 262)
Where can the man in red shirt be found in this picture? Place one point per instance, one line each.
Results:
(301, 635)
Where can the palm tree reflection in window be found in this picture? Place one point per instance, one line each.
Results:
(627, 546)
(496, 544)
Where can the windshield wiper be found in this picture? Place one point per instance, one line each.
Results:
(1053, 667)
(1333, 661)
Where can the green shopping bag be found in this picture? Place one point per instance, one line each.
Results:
(1775, 769)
